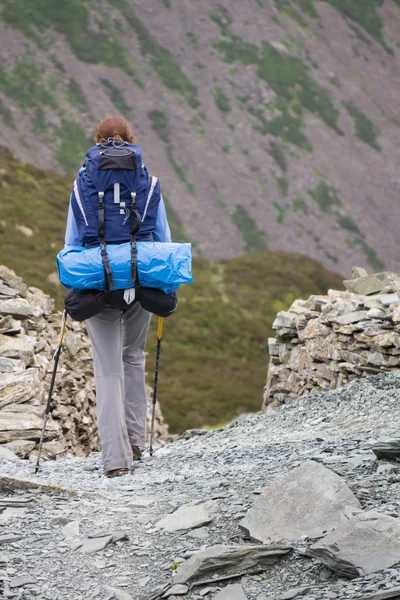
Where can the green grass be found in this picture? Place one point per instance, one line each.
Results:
(160, 124)
(214, 354)
(299, 205)
(347, 222)
(325, 196)
(74, 143)
(277, 153)
(283, 185)
(281, 212)
(6, 114)
(335, 81)
(162, 61)
(364, 13)
(254, 239)
(286, 7)
(226, 148)
(76, 96)
(365, 129)
(222, 101)
(39, 124)
(117, 98)
(24, 85)
(71, 18)
(374, 262)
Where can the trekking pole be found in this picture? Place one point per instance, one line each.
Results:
(53, 378)
(159, 336)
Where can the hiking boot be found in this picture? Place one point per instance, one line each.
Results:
(116, 473)
(136, 453)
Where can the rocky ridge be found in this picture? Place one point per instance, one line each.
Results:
(183, 525)
(29, 333)
(327, 341)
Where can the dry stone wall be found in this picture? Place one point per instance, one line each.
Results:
(326, 341)
(29, 332)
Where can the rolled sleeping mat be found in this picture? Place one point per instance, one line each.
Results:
(160, 265)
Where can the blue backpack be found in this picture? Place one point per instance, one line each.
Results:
(115, 200)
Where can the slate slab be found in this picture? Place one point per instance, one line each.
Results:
(95, 544)
(176, 590)
(368, 543)
(6, 454)
(222, 558)
(386, 595)
(7, 538)
(189, 516)
(306, 502)
(118, 594)
(231, 592)
(17, 582)
(389, 449)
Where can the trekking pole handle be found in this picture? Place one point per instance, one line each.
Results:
(160, 327)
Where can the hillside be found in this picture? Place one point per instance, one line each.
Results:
(214, 352)
(272, 124)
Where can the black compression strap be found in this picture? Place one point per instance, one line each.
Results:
(103, 250)
(135, 223)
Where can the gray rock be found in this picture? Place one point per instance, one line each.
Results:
(231, 592)
(223, 558)
(305, 502)
(8, 538)
(294, 593)
(71, 530)
(351, 317)
(191, 515)
(118, 594)
(176, 590)
(18, 309)
(95, 544)
(21, 447)
(357, 272)
(368, 543)
(12, 280)
(389, 449)
(365, 285)
(7, 454)
(386, 595)
(17, 582)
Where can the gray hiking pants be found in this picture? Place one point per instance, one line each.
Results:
(118, 342)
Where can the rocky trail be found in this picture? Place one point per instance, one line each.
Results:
(69, 533)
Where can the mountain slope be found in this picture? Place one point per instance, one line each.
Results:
(214, 353)
(271, 124)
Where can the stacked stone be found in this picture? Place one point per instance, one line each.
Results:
(326, 341)
(29, 333)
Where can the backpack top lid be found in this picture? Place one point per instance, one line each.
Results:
(114, 154)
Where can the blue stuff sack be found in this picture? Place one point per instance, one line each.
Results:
(160, 265)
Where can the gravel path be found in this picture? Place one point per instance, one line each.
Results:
(230, 465)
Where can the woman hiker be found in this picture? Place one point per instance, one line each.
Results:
(118, 338)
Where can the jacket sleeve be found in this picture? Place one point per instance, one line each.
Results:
(71, 233)
(162, 231)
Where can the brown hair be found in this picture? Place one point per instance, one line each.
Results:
(114, 127)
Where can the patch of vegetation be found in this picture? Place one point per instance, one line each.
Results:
(139, 82)
(24, 85)
(299, 205)
(277, 153)
(347, 222)
(283, 185)
(335, 81)
(286, 7)
(226, 148)
(57, 63)
(167, 3)
(288, 76)
(374, 262)
(222, 100)
(179, 170)
(365, 129)
(192, 37)
(6, 114)
(160, 124)
(117, 98)
(253, 237)
(281, 212)
(191, 189)
(162, 61)
(34, 18)
(325, 196)
(76, 96)
(74, 143)
(39, 124)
